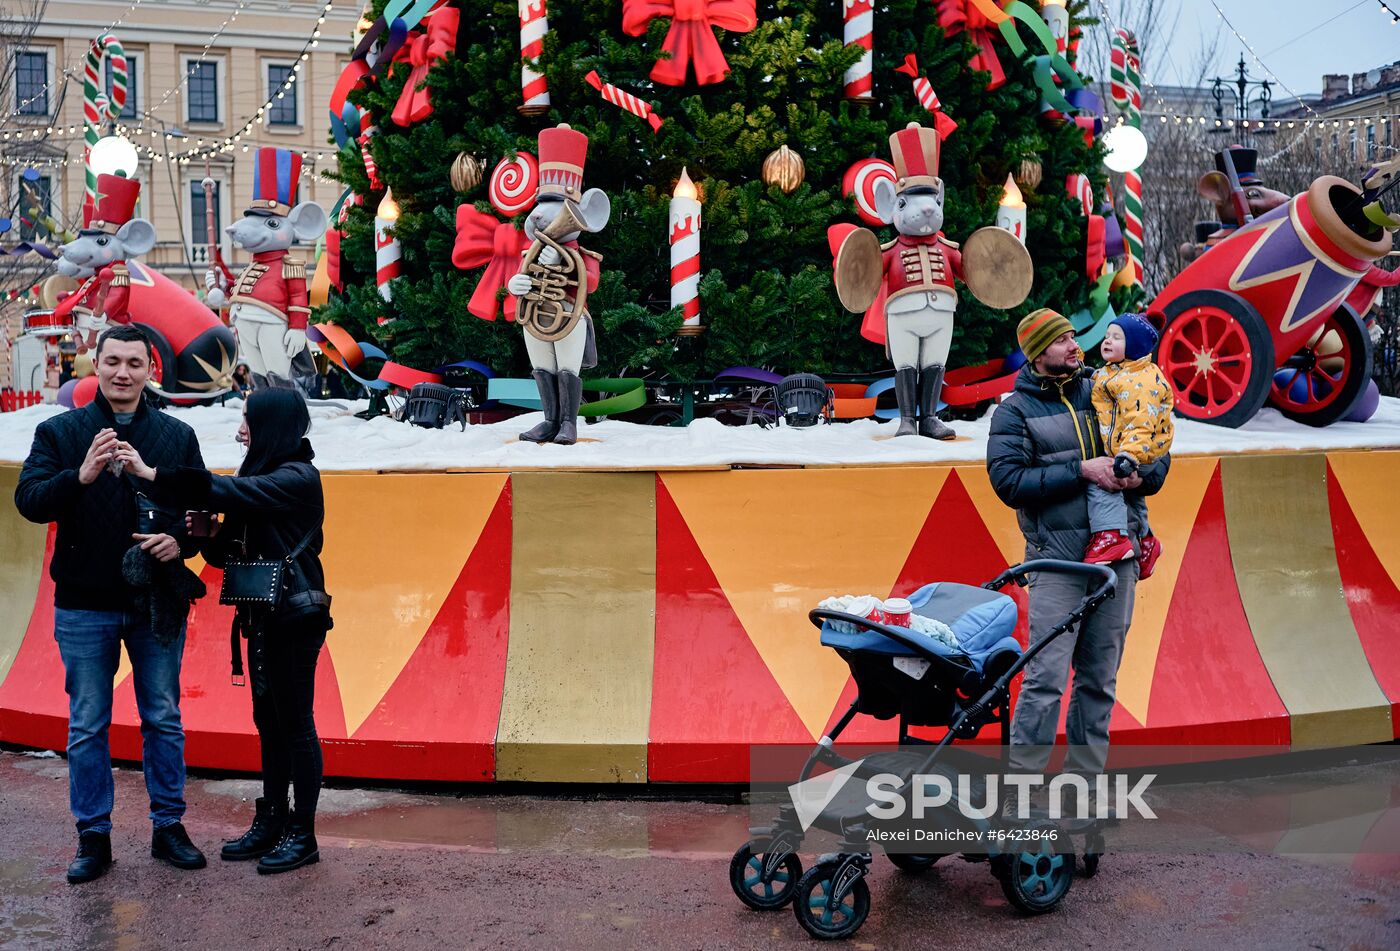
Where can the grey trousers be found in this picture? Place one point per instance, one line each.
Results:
(1094, 649)
(1108, 511)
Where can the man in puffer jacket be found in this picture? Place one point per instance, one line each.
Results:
(1043, 453)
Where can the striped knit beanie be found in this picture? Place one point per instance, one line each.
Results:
(1038, 329)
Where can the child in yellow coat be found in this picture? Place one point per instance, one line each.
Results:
(1134, 406)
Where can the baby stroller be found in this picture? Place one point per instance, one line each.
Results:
(900, 672)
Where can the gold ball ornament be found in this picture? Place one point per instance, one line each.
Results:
(785, 169)
(466, 173)
(82, 366)
(1028, 174)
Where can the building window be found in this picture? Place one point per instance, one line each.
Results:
(1351, 144)
(281, 111)
(133, 72)
(203, 91)
(35, 204)
(32, 83)
(1370, 142)
(199, 226)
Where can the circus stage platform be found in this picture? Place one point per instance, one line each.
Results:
(650, 626)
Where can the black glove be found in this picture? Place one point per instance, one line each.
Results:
(1124, 466)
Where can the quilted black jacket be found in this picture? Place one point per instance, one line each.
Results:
(96, 522)
(1040, 435)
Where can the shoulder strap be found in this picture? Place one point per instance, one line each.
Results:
(301, 545)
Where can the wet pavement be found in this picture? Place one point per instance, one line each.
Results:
(439, 870)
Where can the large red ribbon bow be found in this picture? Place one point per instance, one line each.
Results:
(958, 15)
(690, 39)
(484, 240)
(421, 52)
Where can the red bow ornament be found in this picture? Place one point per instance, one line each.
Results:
(483, 240)
(422, 51)
(690, 39)
(958, 15)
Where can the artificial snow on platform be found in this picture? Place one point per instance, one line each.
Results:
(345, 442)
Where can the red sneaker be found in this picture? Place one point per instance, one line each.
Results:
(1151, 551)
(1107, 547)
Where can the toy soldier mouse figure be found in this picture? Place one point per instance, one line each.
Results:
(269, 305)
(906, 286)
(555, 278)
(101, 249)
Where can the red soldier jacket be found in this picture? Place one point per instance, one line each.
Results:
(109, 291)
(277, 291)
(920, 263)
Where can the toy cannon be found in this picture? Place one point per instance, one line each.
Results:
(1275, 312)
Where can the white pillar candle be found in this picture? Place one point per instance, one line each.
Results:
(1011, 213)
(685, 251)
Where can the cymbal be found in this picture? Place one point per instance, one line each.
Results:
(997, 268)
(859, 270)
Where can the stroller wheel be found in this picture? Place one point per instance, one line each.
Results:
(1093, 851)
(1035, 882)
(746, 878)
(824, 916)
(911, 864)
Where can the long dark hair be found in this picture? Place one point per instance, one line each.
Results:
(278, 422)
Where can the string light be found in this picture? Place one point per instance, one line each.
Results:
(1394, 17)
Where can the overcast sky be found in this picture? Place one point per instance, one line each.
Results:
(1299, 40)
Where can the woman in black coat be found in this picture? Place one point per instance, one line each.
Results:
(273, 510)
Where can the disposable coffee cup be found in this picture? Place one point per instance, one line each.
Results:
(868, 607)
(897, 611)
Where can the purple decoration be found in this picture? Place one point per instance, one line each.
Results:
(1114, 247)
(1282, 249)
(65, 394)
(1014, 360)
(1366, 404)
(751, 374)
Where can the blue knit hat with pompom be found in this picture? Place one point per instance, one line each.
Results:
(1140, 337)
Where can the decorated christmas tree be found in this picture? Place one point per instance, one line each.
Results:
(721, 103)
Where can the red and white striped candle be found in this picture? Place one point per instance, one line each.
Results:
(388, 253)
(859, 21)
(624, 100)
(534, 24)
(685, 250)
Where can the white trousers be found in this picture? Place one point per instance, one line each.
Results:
(261, 345)
(919, 338)
(566, 353)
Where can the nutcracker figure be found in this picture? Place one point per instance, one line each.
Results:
(104, 244)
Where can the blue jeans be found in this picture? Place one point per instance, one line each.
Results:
(90, 643)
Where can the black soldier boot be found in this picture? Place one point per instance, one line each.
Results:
(570, 396)
(269, 822)
(930, 385)
(906, 393)
(549, 401)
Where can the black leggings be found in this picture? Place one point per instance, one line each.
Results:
(282, 661)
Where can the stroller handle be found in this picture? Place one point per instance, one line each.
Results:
(1017, 573)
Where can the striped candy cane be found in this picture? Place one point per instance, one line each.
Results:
(534, 24)
(625, 100)
(97, 108)
(1126, 89)
(859, 16)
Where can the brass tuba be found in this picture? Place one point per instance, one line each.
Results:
(543, 312)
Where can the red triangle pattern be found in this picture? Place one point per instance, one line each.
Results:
(712, 694)
(1371, 595)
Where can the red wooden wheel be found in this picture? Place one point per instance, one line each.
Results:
(1320, 383)
(1217, 356)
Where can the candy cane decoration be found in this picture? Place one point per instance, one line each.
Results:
(368, 131)
(859, 24)
(1125, 86)
(923, 91)
(97, 108)
(859, 182)
(625, 100)
(534, 24)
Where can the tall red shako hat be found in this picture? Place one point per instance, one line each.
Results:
(563, 152)
(276, 173)
(115, 205)
(914, 150)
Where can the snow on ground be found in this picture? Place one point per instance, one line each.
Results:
(345, 442)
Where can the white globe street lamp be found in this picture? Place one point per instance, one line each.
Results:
(1127, 148)
(113, 155)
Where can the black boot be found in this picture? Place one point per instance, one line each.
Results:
(930, 385)
(549, 401)
(297, 848)
(172, 844)
(570, 396)
(93, 859)
(269, 823)
(906, 393)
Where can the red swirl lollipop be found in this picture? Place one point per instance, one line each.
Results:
(514, 184)
(860, 180)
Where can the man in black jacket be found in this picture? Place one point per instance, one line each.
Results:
(73, 478)
(1043, 451)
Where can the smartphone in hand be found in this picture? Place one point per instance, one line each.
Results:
(200, 523)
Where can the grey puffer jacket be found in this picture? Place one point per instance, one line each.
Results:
(1040, 436)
